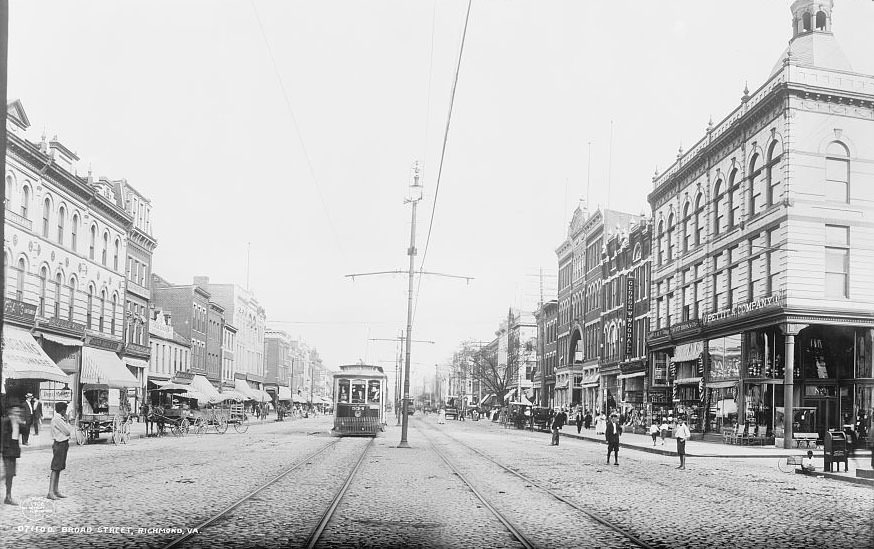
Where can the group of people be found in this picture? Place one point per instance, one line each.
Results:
(15, 427)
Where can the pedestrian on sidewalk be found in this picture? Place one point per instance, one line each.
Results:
(601, 424)
(61, 436)
(612, 432)
(681, 433)
(579, 419)
(557, 423)
(654, 432)
(587, 420)
(664, 428)
(27, 417)
(441, 416)
(36, 410)
(11, 427)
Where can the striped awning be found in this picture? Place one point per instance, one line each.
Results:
(23, 358)
(104, 367)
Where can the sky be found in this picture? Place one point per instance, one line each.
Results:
(276, 139)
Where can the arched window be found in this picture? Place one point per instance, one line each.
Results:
(669, 244)
(735, 197)
(19, 282)
(837, 173)
(62, 215)
(115, 256)
(74, 231)
(699, 219)
(71, 289)
(772, 173)
(687, 226)
(93, 244)
(112, 319)
(637, 253)
(105, 251)
(820, 20)
(805, 22)
(90, 306)
(46, 214)
(43, 282)
(660, 243)
(102, 309)
(25, 200)
(59, 281)
(756, 193)
(719, 207)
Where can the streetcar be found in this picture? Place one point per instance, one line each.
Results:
(359, 400)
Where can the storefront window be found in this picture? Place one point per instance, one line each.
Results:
(723, 409)
(827, 352)
(764, 354)
(864, 410)
(725, 357)
(760, 402)
(660, 369)
(864, 355)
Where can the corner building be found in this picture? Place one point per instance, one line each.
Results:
(762, 302)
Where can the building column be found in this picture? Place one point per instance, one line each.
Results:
(788, 390)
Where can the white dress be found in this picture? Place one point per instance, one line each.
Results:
(601, 425)
(441, 416)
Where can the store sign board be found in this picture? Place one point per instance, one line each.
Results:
(773, 300)
(688, 351)
(19, 310)
(629, 317)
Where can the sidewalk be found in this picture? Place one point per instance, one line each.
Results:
(861, 459)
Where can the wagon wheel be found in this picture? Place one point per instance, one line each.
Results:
(124, 434)
(783, 465)
(184, 427)
(176, 428)
(199, 426)
(221, 425)
(81, 433)
(116, 430)
(242, 426)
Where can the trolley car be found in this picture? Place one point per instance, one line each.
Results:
(359, 400)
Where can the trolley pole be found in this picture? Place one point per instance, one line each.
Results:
(415, 197)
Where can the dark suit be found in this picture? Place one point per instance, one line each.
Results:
(27, 419)
(612, 434)
(557, 423)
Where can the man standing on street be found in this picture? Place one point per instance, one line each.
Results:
(579, 419)
(681, 434)
(27, 418)
(36, 408)
(557, 423)
(612, 433)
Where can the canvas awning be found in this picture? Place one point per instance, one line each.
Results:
(243, 388)
(284, 393)
(687, 380)
(136, 363)
(233, 394)
(166, 385)
(99, 366)
(721, 384)
(297, 399)
(62, 340)
(23, 358)
(202, 385)
(629, 376)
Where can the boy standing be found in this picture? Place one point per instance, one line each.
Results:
(61, 437)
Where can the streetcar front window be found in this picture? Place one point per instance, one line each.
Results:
(358, 388)
(373, 393)
(343, 393)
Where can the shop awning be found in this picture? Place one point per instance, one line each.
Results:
(721, 384)
(284, 393)
(136, 363)
(629, 376)
(23, 358)
(167, 385)
(243, 388)
(99, 366)
(232, 394)
(191, 393)
(687, 380)
(62, 340)
(202, 385)
(297, 399)
(589, 385)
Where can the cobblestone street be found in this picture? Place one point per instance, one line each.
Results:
(132, 495)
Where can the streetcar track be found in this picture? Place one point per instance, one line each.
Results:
(591, 514)
(316, 534)
(516, 533)
(217, 518)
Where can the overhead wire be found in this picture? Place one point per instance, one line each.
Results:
(442, 154)
(297, 130)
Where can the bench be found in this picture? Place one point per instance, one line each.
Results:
(806, 438)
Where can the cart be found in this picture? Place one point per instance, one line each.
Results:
(170, 407)
(213, 418)
(99, 415)
(237, 417)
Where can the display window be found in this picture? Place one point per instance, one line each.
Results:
(725, 358)
(864, 354)
(827, 352)
(763, 354)
(722, 413)
(760, 403)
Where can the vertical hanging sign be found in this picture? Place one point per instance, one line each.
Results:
(629, 317)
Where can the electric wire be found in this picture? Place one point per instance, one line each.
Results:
(442, 155)
(297, 131)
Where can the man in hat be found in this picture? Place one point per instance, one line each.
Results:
(36, 413)
(612, 433)
(27, 418)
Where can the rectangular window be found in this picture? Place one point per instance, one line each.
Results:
(669, 307)
(837, 261)
(837, 179)
(736, 200)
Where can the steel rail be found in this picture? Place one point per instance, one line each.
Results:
(329, 513)
(176, 542)
(591, 514)
(504, 520)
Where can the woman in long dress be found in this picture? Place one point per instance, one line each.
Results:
(441, 416)
(601, 425)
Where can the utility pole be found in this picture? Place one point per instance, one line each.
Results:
(400, 339)
(415, 197)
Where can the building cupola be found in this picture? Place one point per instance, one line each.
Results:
(811, 16)
(813, 44)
